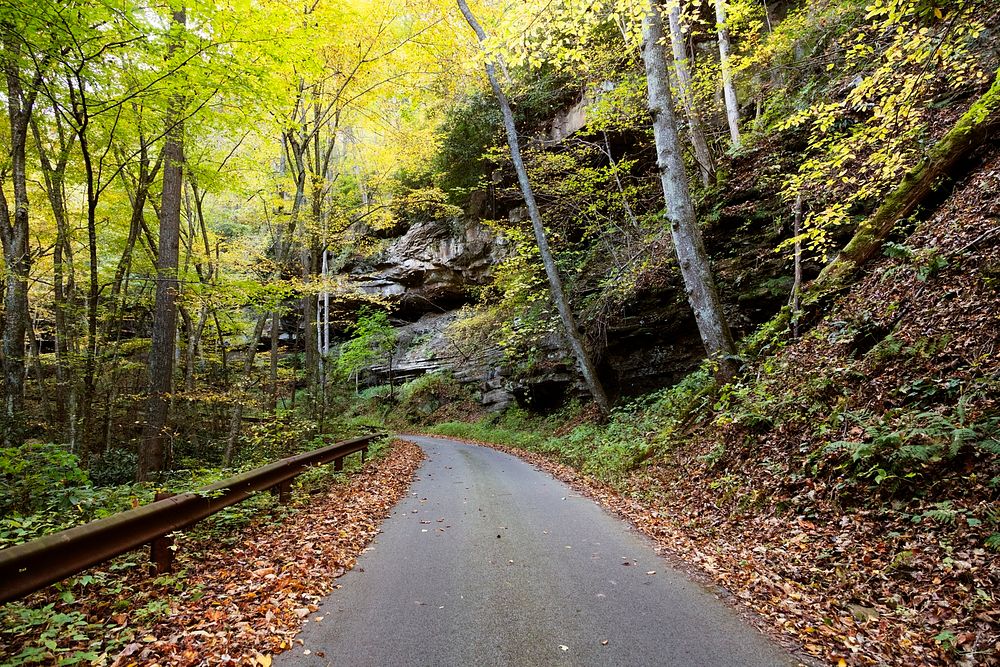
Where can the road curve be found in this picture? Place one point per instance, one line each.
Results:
(490, 562)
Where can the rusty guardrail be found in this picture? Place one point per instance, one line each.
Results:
(28, 567)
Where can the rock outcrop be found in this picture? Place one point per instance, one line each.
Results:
(426, 346)
(433, 266)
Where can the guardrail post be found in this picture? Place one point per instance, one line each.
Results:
(285, 492)
(364, 453)
(338, 464)
(161, 552)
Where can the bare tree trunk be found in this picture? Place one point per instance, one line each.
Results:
(308, 304)
(93, 291)
(732, 104)
(36, 365)
(62, 254)
(152, 452)
(139, 197)
(797, 280)
(236, 416)
(324, 336)
(17, 263)
(688, 245)
(570, 329)
(275, 339)
(702, 153)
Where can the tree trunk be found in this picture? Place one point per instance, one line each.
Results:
(702, 153)
(236, 416)
(939, 168)
(583, 358)
(324, 335)
(14, 237)
(90, 364)
(152, 452)
(728, 90)
(797, 280)
(273, 376)
(688, 245)
(143, 181)
(62, 255)
(308, 304)
(36, 365)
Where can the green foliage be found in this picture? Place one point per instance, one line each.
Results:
(38, 476)
(113, 467)
(60, 508)
(469, 129)
(57, 632)
(633, 433)
(285, 434)
(904, 445)
(421, 397)
(473, 126)
(860, 146)
(427, 203)
(374, 339)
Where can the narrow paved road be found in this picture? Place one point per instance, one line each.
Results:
(491, 562)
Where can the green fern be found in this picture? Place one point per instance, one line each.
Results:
(993, 542)
(990, 445)
(918, 453)
(942, 513)
(859, 451)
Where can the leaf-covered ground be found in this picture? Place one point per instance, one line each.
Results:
(237, 599)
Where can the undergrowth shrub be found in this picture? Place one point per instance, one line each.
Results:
(632, 433)
(422, 396)
(37, 476)
(114, 466)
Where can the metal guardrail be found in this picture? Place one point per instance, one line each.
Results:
(28, 567)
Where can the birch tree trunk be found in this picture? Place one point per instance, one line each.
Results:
(728, 90)
(797, 279)
(583, 358)
(688, 245)
(273, 368)
(152, 450)
(702, 153)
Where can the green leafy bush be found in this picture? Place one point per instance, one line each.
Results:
(421, 397)
(115, 466)
(37, 476)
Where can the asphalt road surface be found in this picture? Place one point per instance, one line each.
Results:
(490, 562)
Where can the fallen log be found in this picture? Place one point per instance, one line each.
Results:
(940, 168)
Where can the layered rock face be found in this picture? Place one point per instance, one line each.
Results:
(644, 343)
(433, 267)
(432, 271)
(425, 346)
